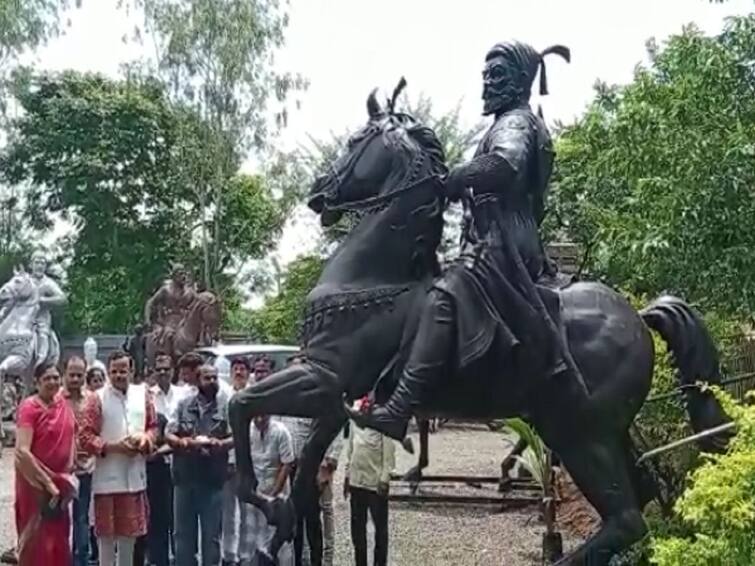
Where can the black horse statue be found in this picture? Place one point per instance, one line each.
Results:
(361, 319)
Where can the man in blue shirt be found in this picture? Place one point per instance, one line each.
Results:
(200, 436)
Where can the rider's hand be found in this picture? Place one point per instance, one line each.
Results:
(457, 183)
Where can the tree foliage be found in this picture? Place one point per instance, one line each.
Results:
(216, 57)
(279, 320)
(657, 176)
(112, 157)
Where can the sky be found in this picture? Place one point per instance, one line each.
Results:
(347, 47)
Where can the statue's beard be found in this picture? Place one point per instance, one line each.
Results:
(499, 99)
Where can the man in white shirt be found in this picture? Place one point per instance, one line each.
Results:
(370, 458)
(272, 454)
(234, 512)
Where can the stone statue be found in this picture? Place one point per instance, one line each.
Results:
(26, 335)
(178, 318)
(575, 361)
(50, 296)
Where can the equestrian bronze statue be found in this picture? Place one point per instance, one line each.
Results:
(494, 336)
(179, 318)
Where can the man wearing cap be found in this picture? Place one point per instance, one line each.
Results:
(493, 298)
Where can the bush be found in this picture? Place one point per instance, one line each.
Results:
(719, 504)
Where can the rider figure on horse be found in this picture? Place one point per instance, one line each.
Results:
(494, 298)
(50, 296)
(166, 310)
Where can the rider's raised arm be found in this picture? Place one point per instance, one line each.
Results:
(150, 309)
(51, 294)
(502, 158)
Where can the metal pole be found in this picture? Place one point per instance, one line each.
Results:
(684, 441)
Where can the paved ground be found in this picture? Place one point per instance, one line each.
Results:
(459, 536)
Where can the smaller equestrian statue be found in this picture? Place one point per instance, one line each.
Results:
(179, 318)
(27, 339)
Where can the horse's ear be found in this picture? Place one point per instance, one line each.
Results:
(373, 106)
(396, 91)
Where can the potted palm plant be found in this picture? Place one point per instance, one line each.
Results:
(537, 460)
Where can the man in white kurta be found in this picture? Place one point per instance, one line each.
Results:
(119, 427)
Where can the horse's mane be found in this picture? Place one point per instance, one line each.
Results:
(426, 138)
(426, 245)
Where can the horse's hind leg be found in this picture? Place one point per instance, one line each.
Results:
(600, 469)
(414, 476)
(509, 462)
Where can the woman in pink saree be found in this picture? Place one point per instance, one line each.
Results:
(45, 448)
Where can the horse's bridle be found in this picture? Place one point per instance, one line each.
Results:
(409, 181)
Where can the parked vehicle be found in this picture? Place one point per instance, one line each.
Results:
(221, 355)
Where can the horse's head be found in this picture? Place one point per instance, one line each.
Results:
(390, 155)
(20, 288)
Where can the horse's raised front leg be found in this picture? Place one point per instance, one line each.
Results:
(298, 390)
(305, 493)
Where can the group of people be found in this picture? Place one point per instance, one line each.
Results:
(117, 470)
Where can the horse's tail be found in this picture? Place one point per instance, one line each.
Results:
(696, 359)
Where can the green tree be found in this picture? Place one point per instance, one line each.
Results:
(15, 236)
(278, 321)
(216, 57)
(116, 158)
(656, 178)
(100, 154)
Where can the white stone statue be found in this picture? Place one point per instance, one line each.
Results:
(26, 335)
(50, 295)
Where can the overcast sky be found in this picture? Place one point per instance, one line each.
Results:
(347, 47)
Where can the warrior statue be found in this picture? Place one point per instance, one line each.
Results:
(50, 295)
(178, 317)
(494, 294)
(26, 336)
(488, 339)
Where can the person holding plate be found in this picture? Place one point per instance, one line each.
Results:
(200, 436)
(119, 426)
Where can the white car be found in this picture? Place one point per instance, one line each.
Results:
(221, 355)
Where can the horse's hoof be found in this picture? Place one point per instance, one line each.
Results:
(282, 515)
(413, 477)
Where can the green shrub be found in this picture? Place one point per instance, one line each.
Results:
(719, 504)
